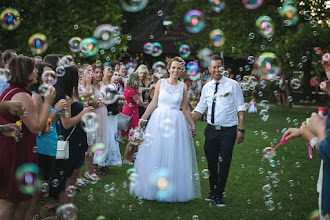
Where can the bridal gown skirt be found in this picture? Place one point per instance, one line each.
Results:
(166, 168)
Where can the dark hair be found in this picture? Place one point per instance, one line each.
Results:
(216, 57)
(112, 64)
(65, 84)
(52, 59)
(7, 54)
(95, 66)
(115, 62)
(21, 68)
(40, 67)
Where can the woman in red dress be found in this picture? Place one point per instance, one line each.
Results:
(13, 203)
(133, 99)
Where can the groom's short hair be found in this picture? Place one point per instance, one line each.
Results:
(216, 57)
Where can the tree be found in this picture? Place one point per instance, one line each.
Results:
(237, 22)
(57, 19)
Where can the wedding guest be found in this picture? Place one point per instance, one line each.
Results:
(24, 74)
(67, 171)
(133, 99)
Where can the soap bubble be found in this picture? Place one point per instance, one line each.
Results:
(265, 26)
(38, 43)
(217, 5)
(194, 21)
(28, 178)
(217, 37)
(89, 46)
(89, 122)
(252, 4)
(10, 19)
(184, 51)
(133, 5)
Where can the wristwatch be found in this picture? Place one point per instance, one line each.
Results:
(1, 130)
(313, 141)
(241, 130)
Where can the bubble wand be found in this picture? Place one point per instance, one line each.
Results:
(272, 150)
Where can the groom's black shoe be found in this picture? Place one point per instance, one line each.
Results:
(210, 198)
(218, 202)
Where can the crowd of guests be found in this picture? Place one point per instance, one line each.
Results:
(63, 105)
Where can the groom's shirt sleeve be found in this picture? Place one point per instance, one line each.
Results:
(202, 105)
(239, 98)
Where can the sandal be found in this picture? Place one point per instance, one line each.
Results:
(92, 176)
(80, 182)
(86, 181)
(128, 162)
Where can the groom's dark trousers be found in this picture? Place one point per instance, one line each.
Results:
(218, 148)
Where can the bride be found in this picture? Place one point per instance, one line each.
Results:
(165, 167)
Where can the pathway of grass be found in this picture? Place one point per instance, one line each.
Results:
(293, 190)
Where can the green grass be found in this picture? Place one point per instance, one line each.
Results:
(244, 182)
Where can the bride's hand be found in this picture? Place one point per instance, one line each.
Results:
(193, 131)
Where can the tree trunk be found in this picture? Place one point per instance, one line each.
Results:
(306, 86)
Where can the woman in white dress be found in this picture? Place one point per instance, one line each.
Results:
(166, 167)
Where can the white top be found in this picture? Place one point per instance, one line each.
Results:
(170, 96)
(229, 101)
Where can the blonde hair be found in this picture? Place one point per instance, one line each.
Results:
(179, 59)
(133, 82)
(143, 68)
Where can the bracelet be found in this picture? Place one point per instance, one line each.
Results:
(193, 127)
(46, 105)
(57, 111)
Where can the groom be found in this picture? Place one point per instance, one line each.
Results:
(224, 99)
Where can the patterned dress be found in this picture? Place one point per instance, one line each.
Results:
(131, 110)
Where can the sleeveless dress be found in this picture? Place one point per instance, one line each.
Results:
(165, 168)
(252, 108)
(14, 154)
(131, 110)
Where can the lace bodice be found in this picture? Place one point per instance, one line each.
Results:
(169, 95)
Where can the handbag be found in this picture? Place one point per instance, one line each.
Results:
(62, 152)
(123, 121)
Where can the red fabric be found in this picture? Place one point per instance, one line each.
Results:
(131, 110)
(14, 154)
(121, 82)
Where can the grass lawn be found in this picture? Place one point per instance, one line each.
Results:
(244, 197)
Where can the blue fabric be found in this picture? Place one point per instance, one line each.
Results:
(324, 152)
(3, 86)
(47, 142)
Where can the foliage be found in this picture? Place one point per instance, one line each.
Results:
(237, 22)
(56, 19)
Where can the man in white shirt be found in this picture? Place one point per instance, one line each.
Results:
(224, 99)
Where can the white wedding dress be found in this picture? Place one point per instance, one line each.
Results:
(165, 168)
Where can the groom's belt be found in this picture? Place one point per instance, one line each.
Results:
(218, 127)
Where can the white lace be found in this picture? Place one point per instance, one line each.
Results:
(170, 96)
(165, 86)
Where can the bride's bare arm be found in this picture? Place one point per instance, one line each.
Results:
(185, 108)
(153, 104)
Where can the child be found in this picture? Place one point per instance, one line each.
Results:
(253, 107)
